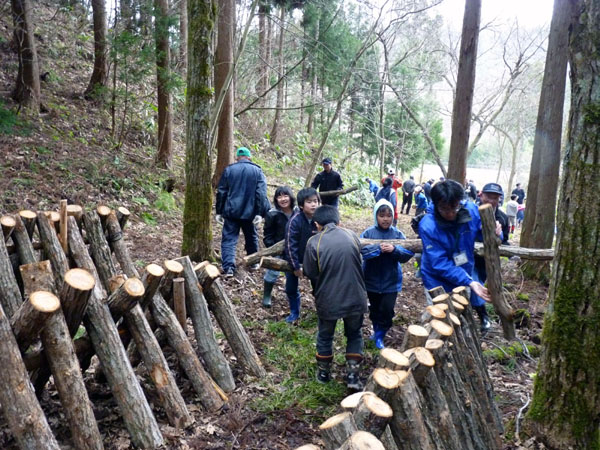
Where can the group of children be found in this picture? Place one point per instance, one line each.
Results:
(347, 280)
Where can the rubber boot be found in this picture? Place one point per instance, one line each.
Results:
(268, 288)
(379, 336)
(324, 368)
(294, 309)
(483, 317)
(375, 328)
(353, 381)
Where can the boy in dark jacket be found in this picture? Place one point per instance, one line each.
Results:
(297, 232)
(274, 231)
(332, 261)
(382, 269)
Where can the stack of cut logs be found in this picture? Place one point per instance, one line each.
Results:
(434, 393)
(59, 271)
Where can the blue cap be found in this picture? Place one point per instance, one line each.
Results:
(326, 161)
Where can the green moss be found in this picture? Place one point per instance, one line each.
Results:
(591, 113)
(507, 354)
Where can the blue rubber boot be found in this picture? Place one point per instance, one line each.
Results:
(379, 336)
(375, 328)
(294, 310)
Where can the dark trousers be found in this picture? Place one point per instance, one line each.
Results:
(406, 200)
(291, 290)
(229, 238)
(352, 331)
(381, 308)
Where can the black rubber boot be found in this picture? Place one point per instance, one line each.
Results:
(324, 368)
(483, 317)
(353, 381)
(267, 294)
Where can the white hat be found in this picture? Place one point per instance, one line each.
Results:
(391, 172)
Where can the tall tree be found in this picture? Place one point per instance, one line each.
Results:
(183, 30)
(566, 397)
(100, 73)
(223, 64)
(538, 227)
(164, 156)
(281, 70)
(197, 235)
(27, 88)
(263, 51)
(463, 99)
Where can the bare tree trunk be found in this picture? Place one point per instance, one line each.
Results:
(516, 145)
(100, 72)
(164, 157)
(223, 64)
(183, 34)
(463, 100)
(27, 88)
(313, 87)
(538, 226)
(569, 372)
(263, 78)
(197, 235)
(279, 104)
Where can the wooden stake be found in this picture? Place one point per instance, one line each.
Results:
(74, 297)
(28, 218)
(8, 224)
(63, 226)
(103, 212)
(179, 301)
(22, 238)
(122, 216)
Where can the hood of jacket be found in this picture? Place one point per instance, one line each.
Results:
(379, 204)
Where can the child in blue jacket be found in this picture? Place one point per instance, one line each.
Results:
(382, 269)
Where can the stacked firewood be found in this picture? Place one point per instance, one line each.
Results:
(434, 393)
(59, 271)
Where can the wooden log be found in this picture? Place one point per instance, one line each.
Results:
(123, 216)
(372, 414)
(421, 362)
(390, 358)
(439, 330)
(441, 298)
(494, 272)
(103, 212)
(28, 218)
(22, 239)
(211, 396)
(434, 346)
(415, 336)
(281, 265)
(458, 298)
(8, 224)
(350, 402)
(362, 440)
(338, 192)
(208, 347)
(63, 226)
(309, 447)
(121, 378)
(31, 317)
(35, 275)
(10, 294)
(74, 297)
(436, 291)
(172, 270)
(335, 430)
(99, 248)
(114, 236)
(125, 297)
(274, 250)
(458, 307)
(21, 408)
(151, 278)
(53, 249)
(207, 274)
(387, 439)
(75, 211)
(179, 301)
(384, 382)
(116, 282)
(53, 218)
(534, 254)
(432, 312)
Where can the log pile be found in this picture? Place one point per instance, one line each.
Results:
(59, 271)
(434, 393)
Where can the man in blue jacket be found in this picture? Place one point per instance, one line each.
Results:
(241, 203)
(448, 232)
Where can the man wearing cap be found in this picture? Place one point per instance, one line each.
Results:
(520, 193)
(408, 187)
(241, 203)
(396, 182)
(328, 180)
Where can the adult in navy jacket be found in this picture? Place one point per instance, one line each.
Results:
(382, 269)
(328, 180)
(241, 203)
(448, 233)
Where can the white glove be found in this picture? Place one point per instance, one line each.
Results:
(257, 220)
(219, 219)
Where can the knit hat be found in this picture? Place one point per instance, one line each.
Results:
(243, 151)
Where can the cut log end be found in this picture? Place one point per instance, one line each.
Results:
(443, 298)
(27, 214)
(424, 357)
(377, 406)
(458, 298)
(309, 447)
(173, 266)
(459, 290)
(417, 330)
(436, 311)
(335, 420)
(8, 221)
(434, 344)
(75, 211)
(53, 216)
(44, 301)
(394, 356)
(362, 440)
(123, 211)
(389, 379)
(80, 279)
(455, 320)
(134, 287)
(116, 282)
(441, 327)
(155, 270)
(103, 210)
(458, 307)
(350, 402)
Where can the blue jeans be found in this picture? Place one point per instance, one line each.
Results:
(229, 238)
(271, 276)
(352, 331)
(292, 292)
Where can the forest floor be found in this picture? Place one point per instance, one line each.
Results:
(71, 151)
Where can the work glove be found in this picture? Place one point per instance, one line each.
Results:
(257, 220)
(219, 219)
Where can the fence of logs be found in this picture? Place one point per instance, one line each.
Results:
(434, 393)
(60, 270)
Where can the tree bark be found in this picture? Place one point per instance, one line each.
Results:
(31, 317)
(223, 64)
(569, 369)
(197, 235)
(164, 156)
(463, 100)
(10, 295)
(538, 226)
(100, 72)
(281, 70)
(27, 89)
(335, 430)
(183, 34)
